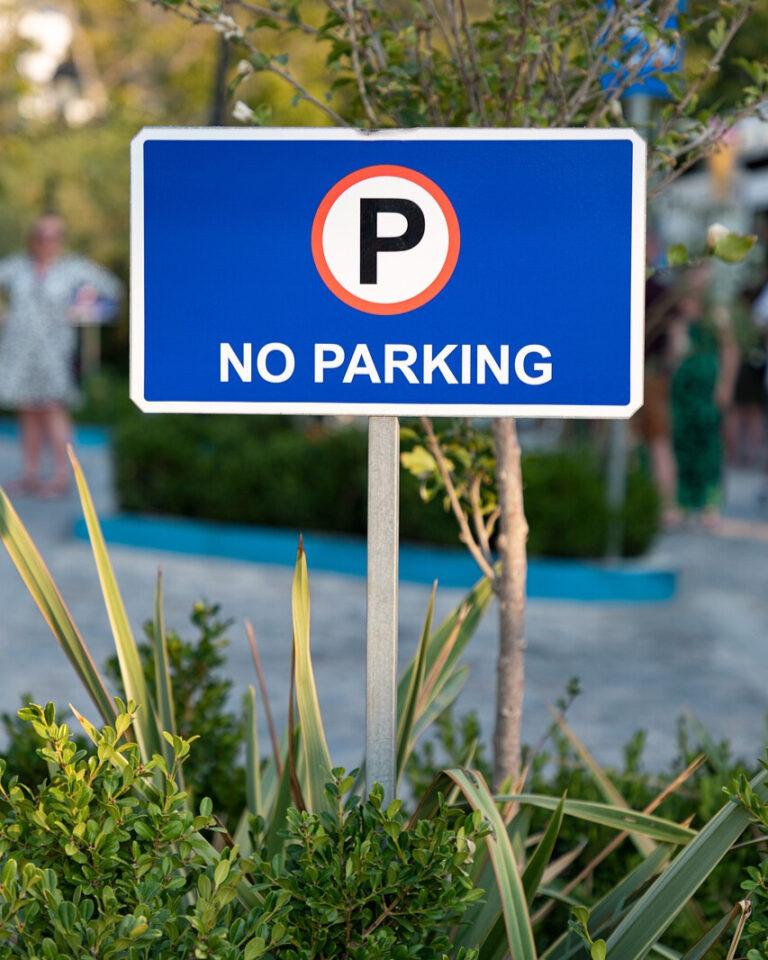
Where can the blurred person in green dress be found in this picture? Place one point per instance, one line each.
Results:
(702, 389)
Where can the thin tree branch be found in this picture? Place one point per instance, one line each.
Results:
(557, 88)
(381, 917)
(707, 147)
(480, 77)
(305, 94)
(745, 908)
(478, 521)
(458, 56)
(614, 90)
(370, 113)
(374, 50)
(523, 16)
(465, 532)
(433, 104)
(615, 23)
(335, 9)
(679, 109)
(269, 14)
(532, 72)
(270, 67)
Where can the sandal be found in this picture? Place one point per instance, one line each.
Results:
(53, 490)
(23, 486)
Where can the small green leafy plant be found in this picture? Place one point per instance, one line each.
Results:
(365, 883)
(104, 858)
(756, 884)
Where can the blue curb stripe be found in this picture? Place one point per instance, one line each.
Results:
(547, 579)
(86, 435)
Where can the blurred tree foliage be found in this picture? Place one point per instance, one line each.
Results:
(151, 68)
(725, 89)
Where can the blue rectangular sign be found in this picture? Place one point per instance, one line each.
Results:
(441, 272)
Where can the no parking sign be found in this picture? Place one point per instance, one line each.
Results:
(455, 272)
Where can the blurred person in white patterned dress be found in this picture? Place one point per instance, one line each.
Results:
(47, 292)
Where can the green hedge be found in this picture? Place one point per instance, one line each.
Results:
(270, 471)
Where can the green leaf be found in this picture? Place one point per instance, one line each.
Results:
(733, 247)
(618, 818)
(446, 646)
(43, 590)
(494, 946)
(221, 872)
(582, 916)
(534, 869)
(510, 886)
(274, 839)
(662, 902)
(254, 949)
(67, 915)
(711, 937)
(677, 255)
(9, 876)
(131, 671)
(717, 34)
(418, 461)
(436, 704)
(607, 910)
(318, 759)
(408, 713)
(597, 951)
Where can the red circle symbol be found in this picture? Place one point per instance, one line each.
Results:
(372, 306)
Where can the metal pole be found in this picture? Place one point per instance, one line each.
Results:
(90, 350)
(638, 110)
(618, 464)
(383, 536)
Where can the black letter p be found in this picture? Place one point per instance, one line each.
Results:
(371, 244)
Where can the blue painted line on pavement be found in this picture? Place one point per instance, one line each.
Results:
(547, 579)
(86, 435)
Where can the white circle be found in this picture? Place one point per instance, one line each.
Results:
(400, 274)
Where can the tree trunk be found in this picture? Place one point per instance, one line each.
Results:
(219, 93)
(510, 591)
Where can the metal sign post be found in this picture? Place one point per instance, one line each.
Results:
(383, 536)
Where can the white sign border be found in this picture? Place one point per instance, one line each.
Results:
(582, 411)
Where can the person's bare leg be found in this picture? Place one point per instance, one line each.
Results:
(665, 475)
(59, 430)
(732, 432)
(755, 430)
(31, 430)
